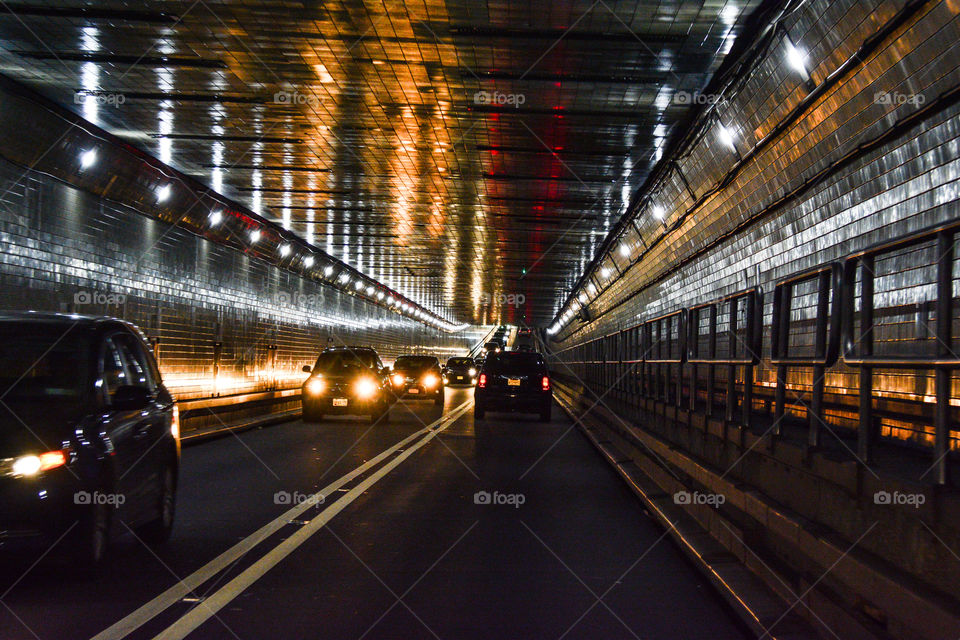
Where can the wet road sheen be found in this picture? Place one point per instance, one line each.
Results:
(506, 528)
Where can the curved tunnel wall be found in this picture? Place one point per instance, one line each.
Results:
(903, 185)
(873, 158)
(222, 319)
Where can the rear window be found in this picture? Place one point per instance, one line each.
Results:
(519, 363)
(41, 363)
(339, 360)
(459, 362)
(414, 362)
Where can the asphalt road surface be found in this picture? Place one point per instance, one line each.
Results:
(507, 528)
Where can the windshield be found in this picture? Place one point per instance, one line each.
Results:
(337, 361)
(41, 364)
(414, 362)
(514, 363)
(459, 362)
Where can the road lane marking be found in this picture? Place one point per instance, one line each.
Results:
(186, 586)
(223, 596)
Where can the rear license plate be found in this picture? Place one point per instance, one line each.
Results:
(340, 402)
(513, 382)
(414, 390)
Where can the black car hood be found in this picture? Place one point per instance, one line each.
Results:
(31, 426)
(346, 375)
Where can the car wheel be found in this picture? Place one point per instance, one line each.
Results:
(93, 536)
(438, 401)
(158, 531)
(545, 414)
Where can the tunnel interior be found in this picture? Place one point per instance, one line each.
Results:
(729, 228)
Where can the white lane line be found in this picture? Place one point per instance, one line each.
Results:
(222, 597)
(174, 594)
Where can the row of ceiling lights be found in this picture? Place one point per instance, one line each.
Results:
(385, 297)
(798, 61)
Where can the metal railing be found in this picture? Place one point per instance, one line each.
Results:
(815, 325)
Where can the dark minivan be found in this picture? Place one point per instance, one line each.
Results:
(516, 382)
(88, 434)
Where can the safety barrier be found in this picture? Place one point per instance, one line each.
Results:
(822, 319)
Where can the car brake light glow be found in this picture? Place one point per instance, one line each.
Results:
(546, 383)
(482, 381)
(175, 422)
(32, 465)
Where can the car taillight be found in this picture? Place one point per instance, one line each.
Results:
(546, 383)
(175, 422)
(482, 381)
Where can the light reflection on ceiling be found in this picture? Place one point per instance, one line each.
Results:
(469, 154)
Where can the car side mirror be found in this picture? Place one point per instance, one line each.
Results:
(130, 397)
(308, 369)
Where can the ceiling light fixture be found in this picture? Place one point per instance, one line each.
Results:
(88, 158)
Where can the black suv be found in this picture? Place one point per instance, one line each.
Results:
(346, 381)
(418, 376)
(460, 371)
(88, 434)
(513, 381)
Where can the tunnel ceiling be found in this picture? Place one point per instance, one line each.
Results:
(471, 154)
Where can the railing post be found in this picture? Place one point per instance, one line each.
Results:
(782, 299)
(693, 322)
(942, 381)
(866, 436)
(732, 368)
(711, 369)
(819, 371)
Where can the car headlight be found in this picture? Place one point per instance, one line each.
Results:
(365, 388)
(316, 386)
(430, 381)
(34, 464)
(472, 372)
(398, 379)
